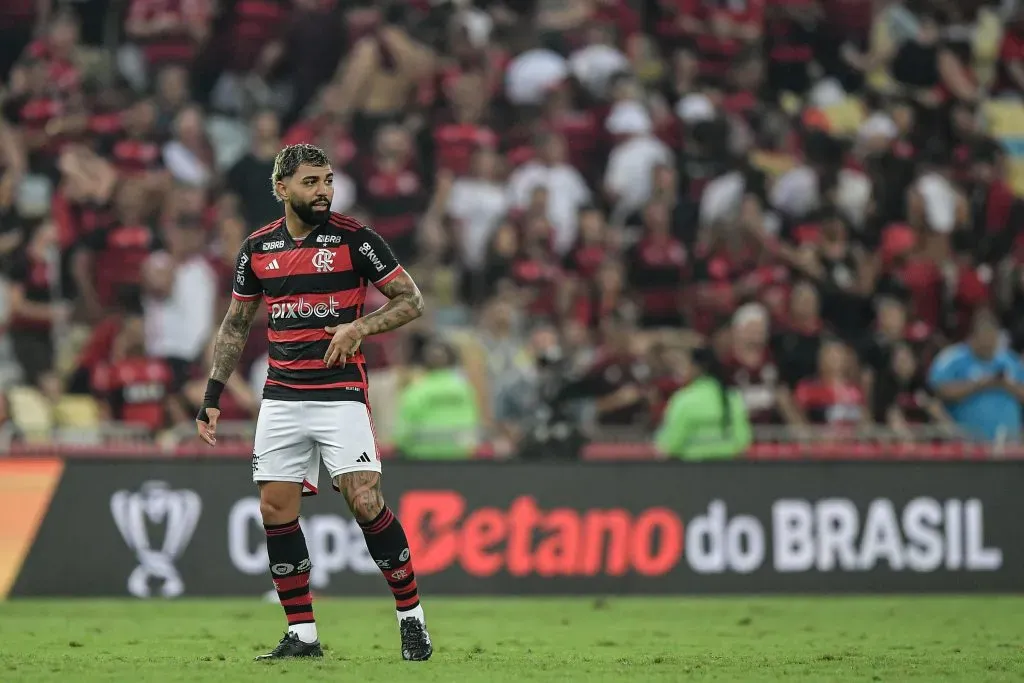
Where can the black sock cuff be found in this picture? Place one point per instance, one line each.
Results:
(277, 529)
(383, 518)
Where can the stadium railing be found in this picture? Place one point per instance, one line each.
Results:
(771, 443)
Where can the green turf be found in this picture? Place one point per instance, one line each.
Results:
(493, 641)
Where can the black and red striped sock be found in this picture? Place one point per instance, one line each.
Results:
(289, 568)
(388, 546)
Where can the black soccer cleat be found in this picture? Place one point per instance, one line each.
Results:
(416, 645)
(290, 647)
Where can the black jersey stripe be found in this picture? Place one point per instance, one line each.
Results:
(350, 373)
(279, 392)
(297, 350)
(314, 283)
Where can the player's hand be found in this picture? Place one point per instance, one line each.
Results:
(208, 430)
(344, 345)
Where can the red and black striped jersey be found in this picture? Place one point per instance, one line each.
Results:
(307, 286)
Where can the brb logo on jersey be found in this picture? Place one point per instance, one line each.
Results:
(323, 261)
(305, 309)
(136, 513)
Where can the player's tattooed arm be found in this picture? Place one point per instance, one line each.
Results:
(231, 338)
(405, 305)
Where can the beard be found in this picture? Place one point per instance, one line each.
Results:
(314, 216)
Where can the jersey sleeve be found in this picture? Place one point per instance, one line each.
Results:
(246, 286)
(373, 259)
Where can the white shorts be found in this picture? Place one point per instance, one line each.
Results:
(292, 437)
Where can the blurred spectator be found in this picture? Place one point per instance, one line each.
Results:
(705, 419)
(249, 178)
(189, 155)
(631, 165)
(19, 21)
(108, 267)
(132, 387)
(476, 205)
(901, 398)
(616, 379)
(796, 346)
(598, 60)
(36, 310)
(657, 269)
(508, 363)
(135, 148)
(1011, 57)
(305, 53)
(438, 414)
(594, 247)
(392, 189)
(843, 271)
(981, 382)
(533, 73)
(456, 142)
(382, 73)
(545, 415)
(515, 396)
(172, 93)
(326, 125)
(566, 191)
(750, 365)
(833, 396)
(179, 299)
(162, 33)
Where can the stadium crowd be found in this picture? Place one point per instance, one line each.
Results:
(818, 191)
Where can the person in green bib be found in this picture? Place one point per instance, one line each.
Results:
(704, 420)
(438, 414)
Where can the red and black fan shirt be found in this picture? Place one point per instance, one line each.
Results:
(307, 286)
(137, 389)
(832, 404)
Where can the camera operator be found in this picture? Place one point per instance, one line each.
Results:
(550, 415)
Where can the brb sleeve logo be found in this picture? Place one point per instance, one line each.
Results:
(136, 513)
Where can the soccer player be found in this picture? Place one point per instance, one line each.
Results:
(312, 268)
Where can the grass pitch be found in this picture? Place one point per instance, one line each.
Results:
(892, 639)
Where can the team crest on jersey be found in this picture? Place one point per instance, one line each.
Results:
(323, 261)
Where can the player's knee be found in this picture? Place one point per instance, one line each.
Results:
(362, 493)
(278, 504)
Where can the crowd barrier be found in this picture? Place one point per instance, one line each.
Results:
(162, 528)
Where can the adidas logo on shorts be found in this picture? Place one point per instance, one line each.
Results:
(363, 458)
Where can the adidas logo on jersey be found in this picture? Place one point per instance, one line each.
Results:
(363, 458)
(273, 265)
